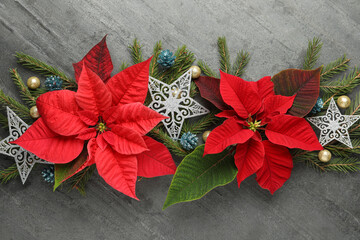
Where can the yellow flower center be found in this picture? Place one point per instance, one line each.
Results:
(101, 127)
(254, 125)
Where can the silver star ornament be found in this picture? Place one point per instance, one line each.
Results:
(25, 160)
(334, 126)
(174, 101)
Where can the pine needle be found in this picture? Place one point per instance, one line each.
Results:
(123, 66)
(242, 59)
(206, 69)
(9, 173)
(345, 165)
(201, 125)
(38, 66)
(3, 121)
(333, 68)
(24, 90)
(17, 107)
(224, 55)
(135, 51)
(312, 53)
(79, 180)
(154, 66)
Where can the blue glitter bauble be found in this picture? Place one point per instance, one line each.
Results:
(48, 174)
(189, 141)
(53, 83)
(318, 106)
(166, 59)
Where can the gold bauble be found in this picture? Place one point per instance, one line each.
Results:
(34, 113)
(196, 71)
(205, 135)
(343, 101)
(324, 155)
(33, 82)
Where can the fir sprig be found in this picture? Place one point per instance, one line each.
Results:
(135, 51)
(17, 107)
(206, 69)
(312, 53)
(9, 173)
(225, 65)
(123, 66)
(172, 145)
(24, 90)
(79, 180)
(3, 121)
(242, 59)
(40, 67)
(333, 68)
(154, 66)
(201, 125)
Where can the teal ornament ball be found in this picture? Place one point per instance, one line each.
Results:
(166, 58)
(48, 174)
(318, 106)
(53, 83)
(189, 141)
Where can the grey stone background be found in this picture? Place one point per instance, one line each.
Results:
(311, 205)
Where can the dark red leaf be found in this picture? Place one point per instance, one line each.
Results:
(304, 83)
(98, 60)
(276, 168)
(210, 90)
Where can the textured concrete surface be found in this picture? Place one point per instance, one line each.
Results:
(309, 206)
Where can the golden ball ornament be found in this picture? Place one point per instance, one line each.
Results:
(343, 101)
(196, 71)
(324, 155)
(34, 113)
(205, 135)
(33, 82)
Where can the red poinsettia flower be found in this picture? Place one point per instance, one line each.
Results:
(254, 108)
(110, 119)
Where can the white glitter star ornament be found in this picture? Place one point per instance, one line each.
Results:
(334, 126)
(25, 160)
(174, 102)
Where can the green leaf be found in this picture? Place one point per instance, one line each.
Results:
(304, 83)
(64, 171)
(197, 175)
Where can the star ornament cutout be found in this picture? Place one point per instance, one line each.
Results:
(174, 101)
(334, 126)
(25, 160)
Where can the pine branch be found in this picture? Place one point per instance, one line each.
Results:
(206, 69)
(333, 68)
(44, 69)
(193, 89)
(354, 108)
(241, 61)
(9, 173)
(309, 158)
(312, 53)
(136, 53)
(172, 145)
(123, 66)
(154, 66)
(19, 108)
(3, 121)
(80, 179)
(24, 90)
(224, 55)
(345, 165)
(342, 86)
(201, 125)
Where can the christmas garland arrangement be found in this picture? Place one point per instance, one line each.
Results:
(129, 125)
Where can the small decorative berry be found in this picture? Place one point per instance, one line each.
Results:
(189, 141)
(48, 174)
(318, 106)
(53, 83)
(166, 59)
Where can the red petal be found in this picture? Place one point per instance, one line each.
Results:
(277, 104)
(265, 87)
(226, 114)
(88, 117)
(292, 132)
(125, 141)
(92, 94)
(210, 90)
(156, 162)
(119, 171)
(101, 141)
(228, 133)
(58, 110)
(249, 157)
(131, 84)
(87, 134)
(46, 144)
(98, 60)
(135, 116)
(276, 168)
(239, 94)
